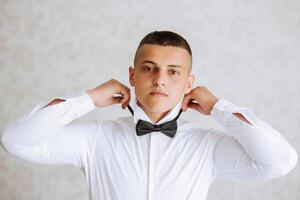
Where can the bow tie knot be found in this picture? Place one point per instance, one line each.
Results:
(156, 127)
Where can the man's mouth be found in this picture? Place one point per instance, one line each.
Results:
(156, 93)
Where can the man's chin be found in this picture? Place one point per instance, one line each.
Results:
(158, 107)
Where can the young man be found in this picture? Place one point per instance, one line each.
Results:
(153, 154)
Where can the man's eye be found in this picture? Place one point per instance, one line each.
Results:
(174, 72)
(146, 68)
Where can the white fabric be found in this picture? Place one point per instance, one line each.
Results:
(119, 165)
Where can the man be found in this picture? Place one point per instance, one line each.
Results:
(152, 154)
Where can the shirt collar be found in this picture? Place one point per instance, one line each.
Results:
(139, 113)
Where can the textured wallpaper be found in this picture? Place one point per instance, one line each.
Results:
(247, 52)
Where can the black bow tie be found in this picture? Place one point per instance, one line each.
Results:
(168, 128)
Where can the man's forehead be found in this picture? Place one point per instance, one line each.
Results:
(165, 55)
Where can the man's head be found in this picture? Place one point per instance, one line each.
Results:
(163, 63)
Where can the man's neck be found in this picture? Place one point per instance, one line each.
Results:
(153, 116)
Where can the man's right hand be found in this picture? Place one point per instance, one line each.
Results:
(105, 94)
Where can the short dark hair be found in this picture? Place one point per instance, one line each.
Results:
(163, 38)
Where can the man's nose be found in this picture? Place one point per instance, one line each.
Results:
(159, 79)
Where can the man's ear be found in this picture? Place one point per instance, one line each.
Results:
(189, 84)
(131, 76)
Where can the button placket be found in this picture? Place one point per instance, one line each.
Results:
(151, 165)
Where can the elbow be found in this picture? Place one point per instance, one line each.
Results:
(4, 142)
(7, 142)
(291, 162)
(286, 165)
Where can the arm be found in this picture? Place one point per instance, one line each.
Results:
(47, 136)
(253, 150)
(241, 117)
(54, 102)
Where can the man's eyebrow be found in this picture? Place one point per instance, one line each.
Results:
(154, 63)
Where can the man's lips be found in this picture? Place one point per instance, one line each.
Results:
(158, 93)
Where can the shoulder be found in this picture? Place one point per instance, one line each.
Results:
(120, 124)
(190, 129)
(216, 136)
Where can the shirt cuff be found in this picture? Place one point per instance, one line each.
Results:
(76, 105)
(223, 111)
(84, 103)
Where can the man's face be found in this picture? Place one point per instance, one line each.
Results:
(163, 69)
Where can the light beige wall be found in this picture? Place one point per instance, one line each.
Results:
(244, 51)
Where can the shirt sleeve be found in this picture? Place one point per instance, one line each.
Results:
(47, 136)
(245, 151)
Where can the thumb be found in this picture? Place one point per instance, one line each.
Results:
(194, 106)
(116, 100)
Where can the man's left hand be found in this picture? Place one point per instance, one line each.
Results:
(205, 100)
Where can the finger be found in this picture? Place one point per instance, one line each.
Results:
(197, 107)
(125, 94)
(194, 106)
(185, 102)
(119, 100)
(126, 99)
(116, 100)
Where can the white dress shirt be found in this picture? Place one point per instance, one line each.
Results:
(119, 165)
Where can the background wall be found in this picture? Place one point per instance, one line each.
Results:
(244, 51)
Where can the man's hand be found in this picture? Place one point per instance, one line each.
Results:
(205, 100)
(105, 94)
